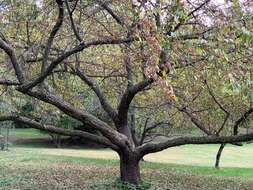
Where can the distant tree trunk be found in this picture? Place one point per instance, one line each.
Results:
(2, 142)
(56, 140)
(7, 138)
(218, 156)
(129, 168)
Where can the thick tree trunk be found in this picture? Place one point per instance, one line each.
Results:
(218, 156)
(129, 169)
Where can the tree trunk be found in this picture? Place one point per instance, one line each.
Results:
(217, 162)
(129, 169)
(56, 140)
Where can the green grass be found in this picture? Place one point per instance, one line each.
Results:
(47, 155)
(243, 173)
(204, 155)
(29, 133)
(27, 167)
(194, 155)
(37, 166)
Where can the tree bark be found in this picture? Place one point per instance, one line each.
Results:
(218, 156)
(130, 169)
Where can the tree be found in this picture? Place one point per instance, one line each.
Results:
(150, 53)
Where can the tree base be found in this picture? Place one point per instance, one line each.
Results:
(129, 169)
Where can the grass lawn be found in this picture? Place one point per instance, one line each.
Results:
(32, 166)
(194, 155)
(204, 155)
(48, 168)
(29, 133)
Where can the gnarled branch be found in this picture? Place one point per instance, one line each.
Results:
(79, 48)
(128, 96)
(7, 82)
(66, 132)
(52, 35)
(103, 101)
(81, 115)
(10, 52)
(156, 147)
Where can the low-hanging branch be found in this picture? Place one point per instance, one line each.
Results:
(156, 147)
(60, 131)
(81, 115)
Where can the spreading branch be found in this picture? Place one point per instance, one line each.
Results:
(128, 96)
(195, 120)
(74, 28)
(156, 147)
(7, 82)
(147, 129)
(10, 52)
(105, 6)
(103, 101)
(52, 35)
(81, 115)
(227, 114)
(179, 24)
(67, 132)
(79, 48)
(242, 119)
